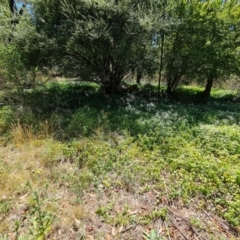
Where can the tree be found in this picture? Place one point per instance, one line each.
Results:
(106, 39)
(12, 24)
(96, 40)
(200, 42)
(219, 58)
(178, 40)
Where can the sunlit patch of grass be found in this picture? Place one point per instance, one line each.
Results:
(22, 133)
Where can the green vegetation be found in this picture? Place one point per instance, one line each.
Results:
(97, 153)
(85, 153)
(108, 41)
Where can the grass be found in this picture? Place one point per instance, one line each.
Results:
(77, 164)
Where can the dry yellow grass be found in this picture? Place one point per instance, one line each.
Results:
(22, 133)
(35, 161)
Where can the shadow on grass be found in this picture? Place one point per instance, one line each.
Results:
(79, 110)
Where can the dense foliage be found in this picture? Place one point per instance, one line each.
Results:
(106, 41)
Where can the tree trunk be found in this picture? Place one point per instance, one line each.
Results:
(208, 87)
(139, 76)
(111, 86)
(169, 86)
(12, 5)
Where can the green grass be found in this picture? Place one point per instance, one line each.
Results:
(182, 148)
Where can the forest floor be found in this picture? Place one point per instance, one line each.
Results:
(75, 164)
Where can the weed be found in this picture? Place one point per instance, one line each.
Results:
(155, 214)
(105, 211)
(40, 219)
(152, 235)
(196, 222)
(5, 206)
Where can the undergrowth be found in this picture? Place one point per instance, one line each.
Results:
(185, 150)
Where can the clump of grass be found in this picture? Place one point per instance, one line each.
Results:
(21, 134)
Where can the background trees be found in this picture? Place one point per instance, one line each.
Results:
(200, 42)
(216, 52)
(104, 41)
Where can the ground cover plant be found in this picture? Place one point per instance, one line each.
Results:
(77, 164)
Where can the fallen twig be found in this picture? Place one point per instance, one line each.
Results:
(169, 238)
(188, 223)
(175, 225)
(128, 228)
(228, 229)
